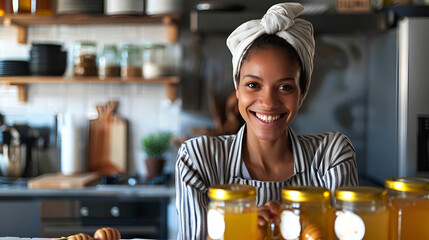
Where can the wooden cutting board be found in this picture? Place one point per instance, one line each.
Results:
(107, 141)
(58, 180)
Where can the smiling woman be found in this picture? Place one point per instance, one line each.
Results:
(272, 66)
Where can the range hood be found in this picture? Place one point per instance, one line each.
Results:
(227, 21)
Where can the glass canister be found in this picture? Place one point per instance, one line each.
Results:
(41, 7)
(3, 9)
(232, 212)
(154, 60)
(131, 61)
(85, 59)
(21, 6)
(361, 213)
(408, 203)
(306, 213)
(109, 62)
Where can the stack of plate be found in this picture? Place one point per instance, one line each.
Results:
(80, 6)
(13, 68)
(47, 60)
(124, 7)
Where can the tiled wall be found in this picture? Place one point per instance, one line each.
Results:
(145, 106)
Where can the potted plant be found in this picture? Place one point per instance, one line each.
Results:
(155, 145)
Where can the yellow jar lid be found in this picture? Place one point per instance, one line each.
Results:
(305, 193)
(359, 193)
(407, 184)
(231, 191)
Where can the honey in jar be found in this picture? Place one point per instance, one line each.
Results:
(3, 7)
(408, 203)
(361, 213)
(21, 6)
(232, 212)
(41, 7)
(306, 213)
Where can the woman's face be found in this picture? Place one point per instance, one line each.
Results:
(268, 92)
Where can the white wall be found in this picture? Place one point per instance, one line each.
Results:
(145, 106)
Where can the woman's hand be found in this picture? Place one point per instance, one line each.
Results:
(267, 212)
(266, 215)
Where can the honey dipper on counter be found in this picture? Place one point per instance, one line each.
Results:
(107, 233)
(78, 236)
(311, 232)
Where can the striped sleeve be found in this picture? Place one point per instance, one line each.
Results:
(341, 156)
(191, 198)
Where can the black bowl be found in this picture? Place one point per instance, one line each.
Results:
(50, 65)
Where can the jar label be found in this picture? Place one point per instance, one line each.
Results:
(215, 224)
(290, 227)
(349, 226)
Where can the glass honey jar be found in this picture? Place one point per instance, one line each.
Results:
(361, 213)
(3, 8)
(42, 7)
(408, 204)
(232, 212)
(306, 213)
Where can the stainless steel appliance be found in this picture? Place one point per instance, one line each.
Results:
(13, 153)
(32, 139)
(18, 151)
(398, 110)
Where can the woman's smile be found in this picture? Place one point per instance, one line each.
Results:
(267, 118)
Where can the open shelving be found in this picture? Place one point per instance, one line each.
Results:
(23, 21)
(170, 82)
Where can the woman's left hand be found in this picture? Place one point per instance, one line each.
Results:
(267, 212)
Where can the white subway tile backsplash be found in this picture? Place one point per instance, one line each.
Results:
(145, 106)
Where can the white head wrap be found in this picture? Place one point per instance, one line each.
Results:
(281, 20)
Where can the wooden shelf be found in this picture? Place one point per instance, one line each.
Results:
(170, 83)
(24, 20)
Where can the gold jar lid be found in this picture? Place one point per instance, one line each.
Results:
(306, 194)
(359, 193)
(231, 191)
(407, 184)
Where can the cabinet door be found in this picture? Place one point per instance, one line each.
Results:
(20, 218)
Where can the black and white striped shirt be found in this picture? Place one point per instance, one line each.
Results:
(326, 159)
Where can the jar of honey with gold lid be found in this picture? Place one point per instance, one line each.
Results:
(306, 213)
(408, 204)
(232, 212)
(361, 213)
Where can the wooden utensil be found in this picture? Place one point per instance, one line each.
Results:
(107, 141)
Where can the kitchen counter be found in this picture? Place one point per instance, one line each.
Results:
(139, 191)
(139, 211)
